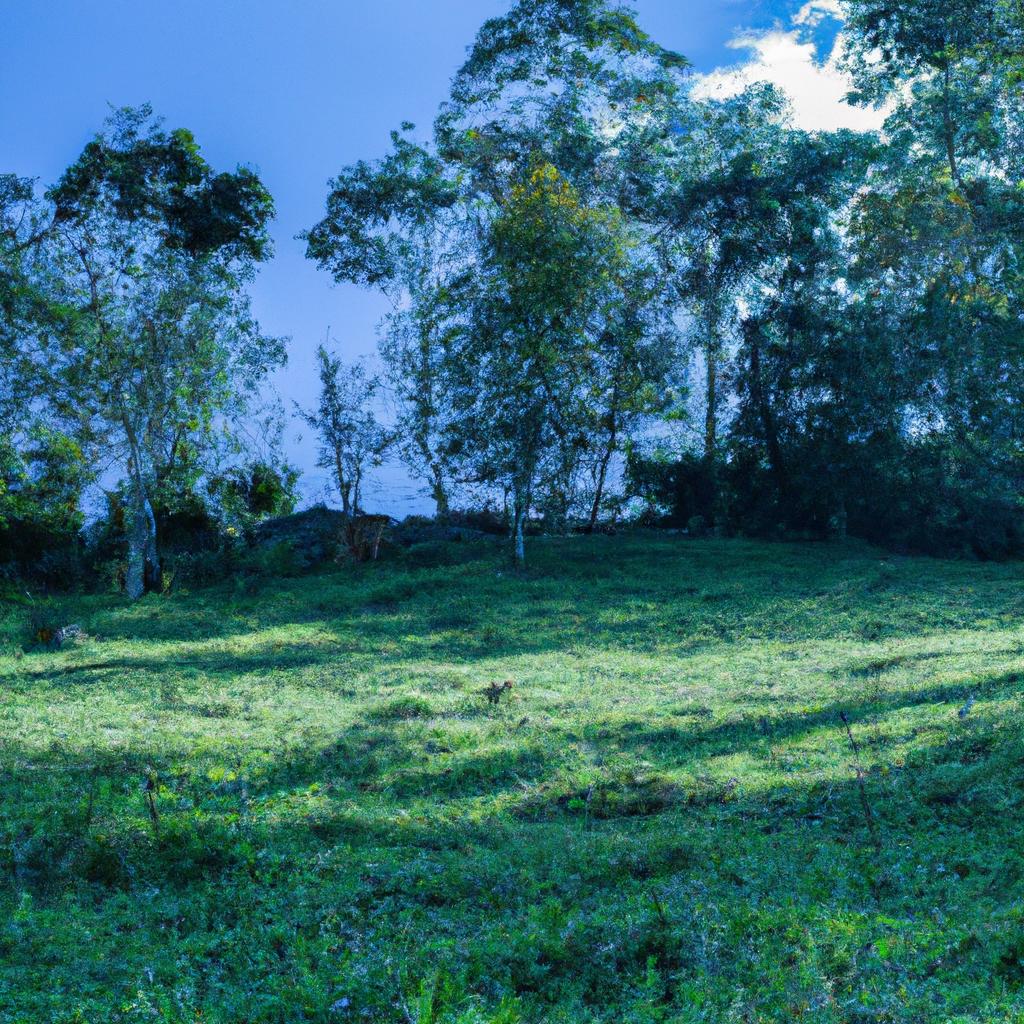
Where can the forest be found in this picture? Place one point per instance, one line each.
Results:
(610, 301)
(697, 696)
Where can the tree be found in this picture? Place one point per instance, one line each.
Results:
(436, 226)
(254, 491)
(42, 476)
(717, 217)
(413, 350)
(393, 225)
(635, 356)
(938, 241)
(351, 438)
(550, 269)
(147, 348)
(801, 395)
(23, 224)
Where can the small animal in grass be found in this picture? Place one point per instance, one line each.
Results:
(494, 691)
(966, 709)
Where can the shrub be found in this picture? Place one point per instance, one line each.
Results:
(199, 568)
(314, 534)
(675, 490)
(485, 520)
(280, 559)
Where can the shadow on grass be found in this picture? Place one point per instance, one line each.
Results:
(588, 591)
(768, 726)
(374, 775)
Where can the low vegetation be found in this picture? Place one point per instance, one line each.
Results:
(730, 781)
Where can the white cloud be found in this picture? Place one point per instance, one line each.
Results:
(788, 60)
(814, 12)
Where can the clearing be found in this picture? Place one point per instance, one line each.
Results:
(662, 820)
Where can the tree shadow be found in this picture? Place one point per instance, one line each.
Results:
(578, 593)
(758, 729)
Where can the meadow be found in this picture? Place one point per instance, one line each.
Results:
(731, 782)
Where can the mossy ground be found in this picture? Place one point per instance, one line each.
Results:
(662, 824)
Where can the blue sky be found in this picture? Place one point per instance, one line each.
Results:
(301, 89)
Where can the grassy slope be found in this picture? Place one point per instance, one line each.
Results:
(663, 824)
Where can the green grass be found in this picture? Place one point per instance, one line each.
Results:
(662, 824)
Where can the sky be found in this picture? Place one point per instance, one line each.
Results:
(300, 89)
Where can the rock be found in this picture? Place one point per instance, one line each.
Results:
(66, 635)
(421, 530)
(313, 535)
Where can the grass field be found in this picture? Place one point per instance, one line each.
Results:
(661, 822)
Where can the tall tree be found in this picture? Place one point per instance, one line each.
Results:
(149, 348)
(549, 269)
(939, 233)
(800, 396)
(555, 89)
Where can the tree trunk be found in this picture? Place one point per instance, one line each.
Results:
(135, 579)
(356, 496)
(143, 555)
(439, 492)
(344, 487)
(153, 568)
(143, 561)
(711, 415)
(518, 536)
(602, 474)
(949, 130)
(520, 505)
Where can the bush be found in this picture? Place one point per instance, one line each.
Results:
(41, 482)
(199, 568)
(483, 520)
(917, 496)
(675, 490)
(280, 559)
(415, 530)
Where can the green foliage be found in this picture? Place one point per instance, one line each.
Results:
(856, 300)
(279, 559)
(41, 483)
(351, 438)
(143, 346)
(677, 488)
(150, 175)
(661, 823)
(530, 334)
(255, 491)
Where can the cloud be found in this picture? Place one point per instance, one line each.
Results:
(789, 60)
(814, 12)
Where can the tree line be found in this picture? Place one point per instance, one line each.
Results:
(606, 295)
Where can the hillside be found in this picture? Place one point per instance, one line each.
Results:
(661, 820)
